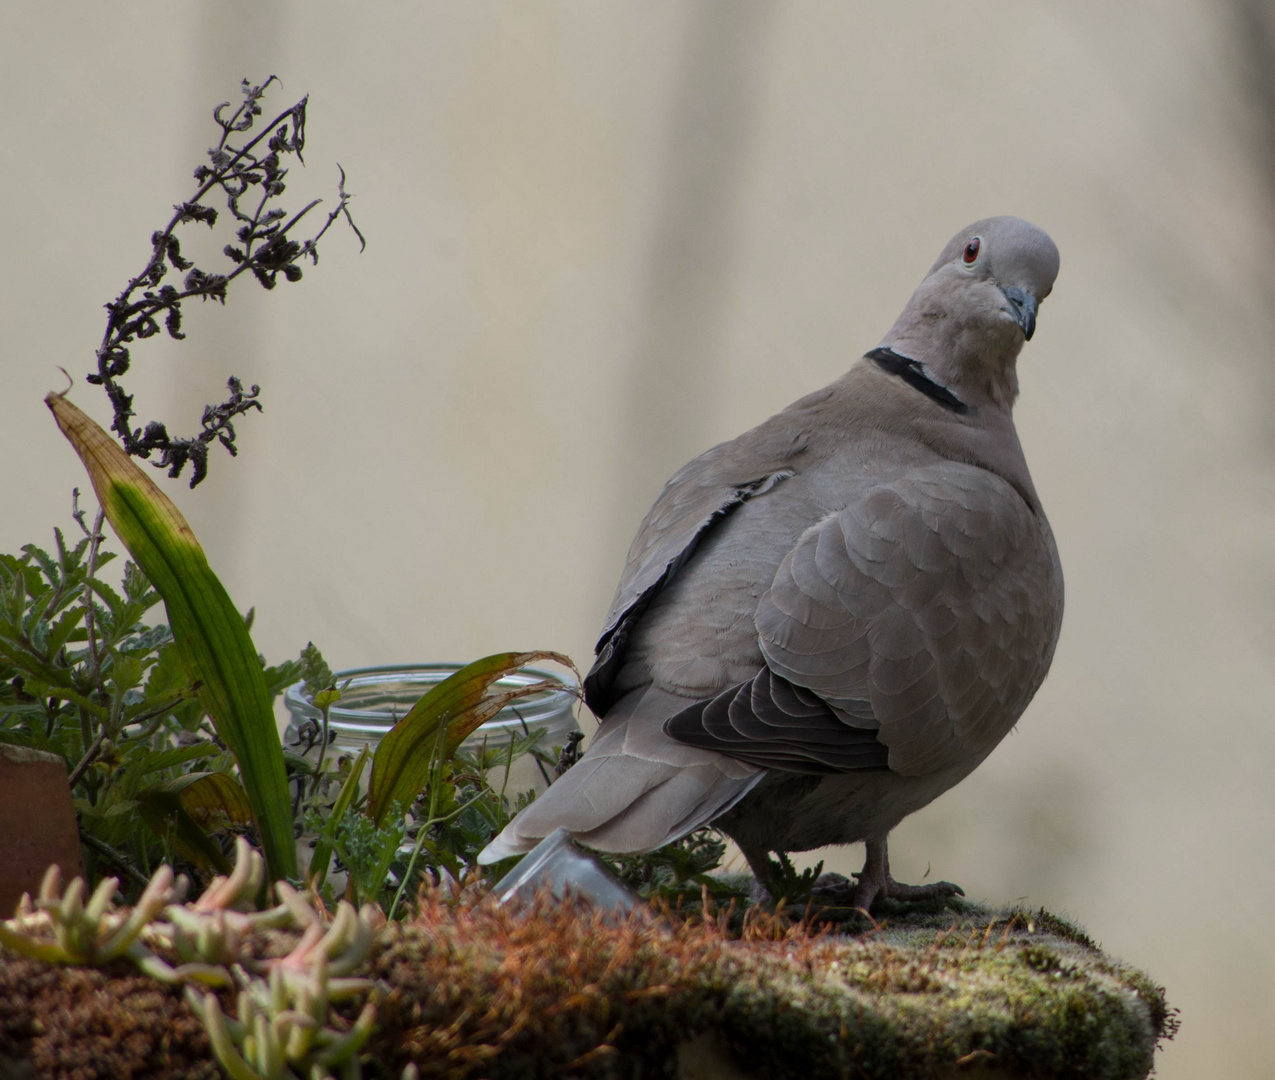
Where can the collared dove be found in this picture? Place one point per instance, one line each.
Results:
(827, 622)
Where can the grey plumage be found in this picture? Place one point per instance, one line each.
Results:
(827, 622)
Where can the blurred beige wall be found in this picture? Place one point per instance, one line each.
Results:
(604, 236)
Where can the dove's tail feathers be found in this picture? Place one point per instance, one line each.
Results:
(676, 805)
(623, 804)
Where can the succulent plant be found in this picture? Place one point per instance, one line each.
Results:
(283, 1030)
(284, 1027)
(60, 928)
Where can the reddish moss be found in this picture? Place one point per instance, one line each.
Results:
(94, 1024)
(476, 991)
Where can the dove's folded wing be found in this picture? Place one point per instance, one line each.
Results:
(909, 630)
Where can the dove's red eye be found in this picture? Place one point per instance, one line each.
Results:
(971, 251)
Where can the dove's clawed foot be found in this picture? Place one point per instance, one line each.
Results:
(871, 884)
(875, 883)
(939, 890)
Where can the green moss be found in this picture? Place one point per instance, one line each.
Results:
(909, 999)
(475, 991)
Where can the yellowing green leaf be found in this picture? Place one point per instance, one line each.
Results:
(459, 705)
(185, 807)
(209, 634)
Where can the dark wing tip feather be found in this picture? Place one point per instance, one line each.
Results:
(765, 723)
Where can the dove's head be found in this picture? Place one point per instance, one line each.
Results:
(969, 318)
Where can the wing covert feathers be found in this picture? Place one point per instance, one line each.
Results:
(697, 498)
(935, 598)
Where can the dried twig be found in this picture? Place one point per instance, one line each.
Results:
(265, 248)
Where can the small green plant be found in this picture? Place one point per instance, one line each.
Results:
(85, 673)
(680, 874)
(788, 884)
(429, 806)
(468, 811)
(364, 850)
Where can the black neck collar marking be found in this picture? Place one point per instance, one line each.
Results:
(912, 373)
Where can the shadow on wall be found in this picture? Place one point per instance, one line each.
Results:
(1255, 30)
(1255, 46)
(670, 370)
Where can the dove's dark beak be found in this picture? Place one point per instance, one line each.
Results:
(1022, 305)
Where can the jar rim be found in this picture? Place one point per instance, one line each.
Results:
(376, 721)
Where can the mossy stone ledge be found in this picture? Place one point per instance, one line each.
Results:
(476, 991)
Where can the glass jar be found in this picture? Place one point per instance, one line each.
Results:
(376, 698)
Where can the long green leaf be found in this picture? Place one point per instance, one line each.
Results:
(459, 704)
(211, 639)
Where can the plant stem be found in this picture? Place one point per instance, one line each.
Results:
(323, 749)
(107, 852)
(157, 715)
(213, 180)
(92, 747)
(539, 764)
(420, 843)
(95, 540)
(509, 761)
(89, 755)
